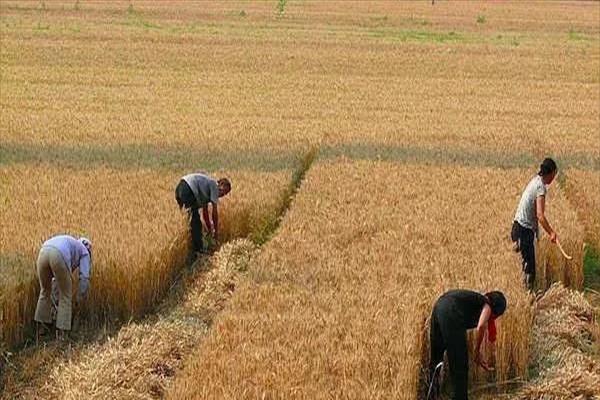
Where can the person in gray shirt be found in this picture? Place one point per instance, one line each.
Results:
(196, 191)
(531, 213)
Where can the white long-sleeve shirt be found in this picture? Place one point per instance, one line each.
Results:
(75, 255)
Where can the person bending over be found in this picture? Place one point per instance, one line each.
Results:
(59, 256)
(197, 191)
(455, 312)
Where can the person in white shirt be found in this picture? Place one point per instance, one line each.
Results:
(59, 256)
(531, 212)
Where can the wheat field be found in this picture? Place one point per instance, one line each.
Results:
(105, 168)
(584, 187)
(340, 298)
(377, 151)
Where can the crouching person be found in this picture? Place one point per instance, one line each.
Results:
(58, 258)
(454, 313)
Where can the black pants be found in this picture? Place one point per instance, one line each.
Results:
(185, 198)
(446, 334)
(525, 237)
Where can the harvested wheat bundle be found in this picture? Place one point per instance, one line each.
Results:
(563, 336)
(208, 295)
(131, 365)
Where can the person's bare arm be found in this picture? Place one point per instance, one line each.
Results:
(206, 218)
(486, 312)
(215, 220)
(540, 207)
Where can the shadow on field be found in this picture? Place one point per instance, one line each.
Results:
(456, 156)
(151, 156)
(133, 156)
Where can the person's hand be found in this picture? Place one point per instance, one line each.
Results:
(553, 237)
(479, 361)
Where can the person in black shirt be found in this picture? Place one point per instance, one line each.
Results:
(455, 312)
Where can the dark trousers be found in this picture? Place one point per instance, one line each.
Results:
(185, 198)
(525, 237)
(446, 334)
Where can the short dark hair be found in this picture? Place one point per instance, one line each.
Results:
(548, 166)
(225, 183)
(497, 302)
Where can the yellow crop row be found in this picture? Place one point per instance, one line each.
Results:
(139, 235)
(584, 190)
(336, 305)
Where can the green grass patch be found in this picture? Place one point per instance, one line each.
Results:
(578, 36)
(424, 155)
(281, 4)
(128, 156)
(419, 36)
(42, 27)
(591, 268)
(450, 156)
(135, 18)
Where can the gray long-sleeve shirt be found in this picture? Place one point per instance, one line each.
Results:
(206, 189)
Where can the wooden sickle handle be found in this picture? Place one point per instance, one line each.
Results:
(565, 255)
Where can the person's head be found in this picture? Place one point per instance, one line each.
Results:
(224, 186)
(497, 302)
(87, 243)
(548, 170)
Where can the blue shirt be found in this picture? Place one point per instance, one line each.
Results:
(75, 255)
